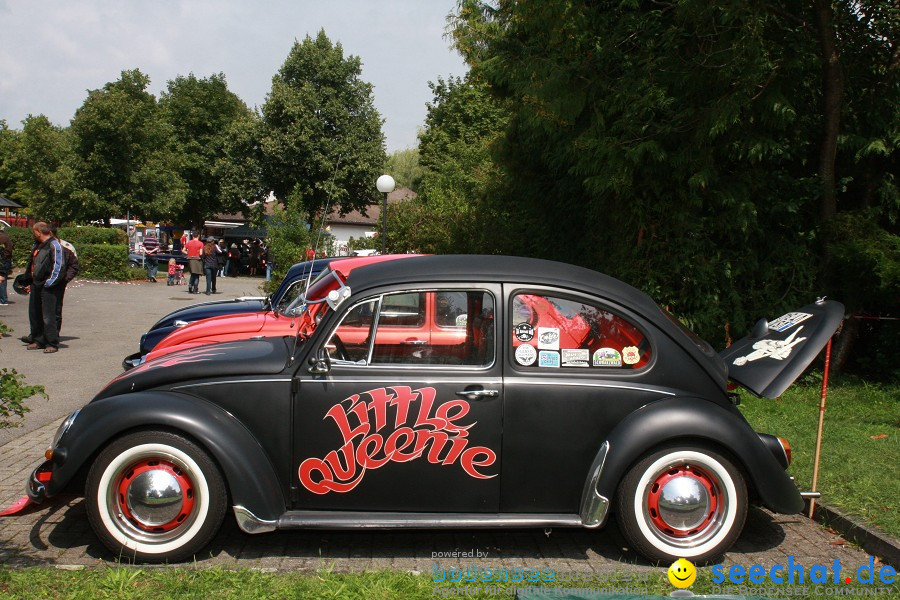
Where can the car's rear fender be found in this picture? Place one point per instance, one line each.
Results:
(251, 477)
(694, 420)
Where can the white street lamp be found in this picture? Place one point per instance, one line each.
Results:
(385, 185)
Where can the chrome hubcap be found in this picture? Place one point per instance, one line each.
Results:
(154, 498)
(683, 503)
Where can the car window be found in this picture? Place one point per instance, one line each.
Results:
(418, 328)
(549, 331)
(291, 293)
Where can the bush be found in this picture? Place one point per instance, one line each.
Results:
(93, 235)
(13, 392)
(103, 261)
(22, 239)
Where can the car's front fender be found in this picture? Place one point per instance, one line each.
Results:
(248, 470)
(697, 420)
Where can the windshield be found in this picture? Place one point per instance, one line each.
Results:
(312, 305)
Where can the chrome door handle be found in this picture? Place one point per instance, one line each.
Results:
(415, 342)
(478, 394)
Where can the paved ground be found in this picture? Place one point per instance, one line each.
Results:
(102, 324)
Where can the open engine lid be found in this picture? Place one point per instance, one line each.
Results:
(776, 353)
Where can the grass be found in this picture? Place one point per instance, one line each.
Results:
(858, 470)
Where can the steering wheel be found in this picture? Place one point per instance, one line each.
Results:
(340, 349)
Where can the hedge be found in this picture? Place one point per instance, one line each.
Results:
(102, 252)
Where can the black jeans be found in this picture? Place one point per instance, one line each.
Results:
(42, 315)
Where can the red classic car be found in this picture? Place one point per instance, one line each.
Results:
(271, 323)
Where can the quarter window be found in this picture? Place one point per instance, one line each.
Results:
(552, 332)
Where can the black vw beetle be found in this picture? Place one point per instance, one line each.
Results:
(527, 394)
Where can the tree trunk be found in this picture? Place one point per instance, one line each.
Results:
(843, 344)
(833, 93)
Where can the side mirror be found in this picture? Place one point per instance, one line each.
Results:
(320, 364)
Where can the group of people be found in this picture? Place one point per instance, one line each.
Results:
(53, 263)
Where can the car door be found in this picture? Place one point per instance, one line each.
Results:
(394, 426)
(575, 367)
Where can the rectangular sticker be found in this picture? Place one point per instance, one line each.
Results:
(548, 338)
(548, 358)
(785, 322)
(576, 358)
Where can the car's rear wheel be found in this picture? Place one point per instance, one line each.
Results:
(682, 502)
(155, 496)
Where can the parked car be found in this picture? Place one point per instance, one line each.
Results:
(136, 259)
(570, 398)
(293, 284)
(274, 322)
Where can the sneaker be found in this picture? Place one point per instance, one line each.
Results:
(4, 303)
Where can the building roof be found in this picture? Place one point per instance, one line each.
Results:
(7, 203)
(371, 215)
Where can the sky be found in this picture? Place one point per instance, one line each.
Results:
(54, 51)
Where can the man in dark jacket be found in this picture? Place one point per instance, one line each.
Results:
(71, 271)
(48, 273)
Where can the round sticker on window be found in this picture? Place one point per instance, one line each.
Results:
(526, 355)
(524, 332)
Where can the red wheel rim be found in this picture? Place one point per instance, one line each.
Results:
(655, 493)
(148, 466)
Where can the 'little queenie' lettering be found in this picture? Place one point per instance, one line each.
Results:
(371, 439)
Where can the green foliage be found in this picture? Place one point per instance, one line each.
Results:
(404, 167)
(680, 147)
(13, 392)
(104, 261)
(126, 157)
(22, 239)
(321, 135)
(289, 237)
(10, 174)
(200, 112)
(44, 162)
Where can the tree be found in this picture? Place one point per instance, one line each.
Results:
(684, 146)
(44, 161)
(126, 158)
(200, 113)
(10, 175)
(321, 135)
(404, 166)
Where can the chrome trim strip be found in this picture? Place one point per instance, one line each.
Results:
(594, 507)
(191, 385)
(810, 495)
(250, 523)
(387, 520)
(520, 381)
(393, 381)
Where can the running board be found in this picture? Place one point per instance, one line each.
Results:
(396, 520)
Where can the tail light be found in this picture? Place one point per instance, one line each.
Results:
(786, 447)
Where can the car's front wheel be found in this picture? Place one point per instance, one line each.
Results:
(155, 496)
(682, 502)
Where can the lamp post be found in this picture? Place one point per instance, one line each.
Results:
(385, 185)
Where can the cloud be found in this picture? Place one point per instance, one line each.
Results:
(56, 50)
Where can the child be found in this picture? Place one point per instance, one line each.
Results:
(173, 271)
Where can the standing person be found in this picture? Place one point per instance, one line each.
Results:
(72, 268)
(172, 272)
(6, 251)
(151, 253)
(270, 260)
(210, 265)
(221, 254)
(234, 260)
(254, 257)
(47, 267)
(194, 251)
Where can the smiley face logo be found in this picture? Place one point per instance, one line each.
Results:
(682, 573)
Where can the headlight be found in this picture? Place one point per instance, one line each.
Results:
(63, 428)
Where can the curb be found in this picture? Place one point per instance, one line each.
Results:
(877, 543)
